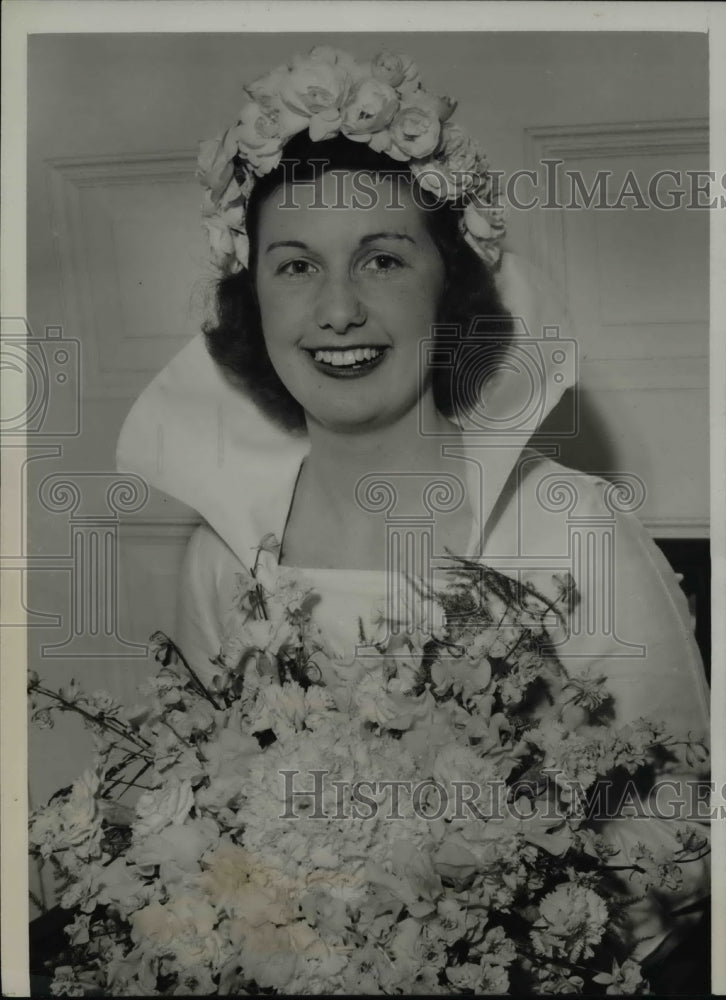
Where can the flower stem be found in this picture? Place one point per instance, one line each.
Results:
(98, 720)
(192, 673)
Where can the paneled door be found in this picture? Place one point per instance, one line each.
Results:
(634, 269)
(114, 292)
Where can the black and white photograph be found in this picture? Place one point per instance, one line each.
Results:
(359, 502)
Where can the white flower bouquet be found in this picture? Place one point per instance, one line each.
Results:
(412, 820)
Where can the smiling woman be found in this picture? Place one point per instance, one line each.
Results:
(411, 651)
(405, 238)
(325, 331)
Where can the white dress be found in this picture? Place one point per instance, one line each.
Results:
(202, 441)
(665, 682)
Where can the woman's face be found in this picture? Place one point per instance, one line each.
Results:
(346, 294)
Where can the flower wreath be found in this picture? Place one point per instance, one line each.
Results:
(381, 102)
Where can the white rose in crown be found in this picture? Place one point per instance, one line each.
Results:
(482, 219)
(397, 71)
(258, 137)
(457, 166)
(370, 108)
(316, 90)
(416, 128)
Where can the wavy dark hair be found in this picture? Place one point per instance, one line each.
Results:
(473, 328)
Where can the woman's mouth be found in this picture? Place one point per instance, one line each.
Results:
(347, 362)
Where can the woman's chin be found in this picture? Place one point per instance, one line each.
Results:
(349, 420)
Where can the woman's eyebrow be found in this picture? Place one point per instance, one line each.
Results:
(298, 244)
(374, 237)
(364, 241)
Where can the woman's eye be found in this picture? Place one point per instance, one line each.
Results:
(295, 268)
(383, 263)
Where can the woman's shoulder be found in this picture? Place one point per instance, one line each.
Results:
(546, 492)
(542, 498)
(209, 558)
(561, 487)
(556, 515)
(206, 595)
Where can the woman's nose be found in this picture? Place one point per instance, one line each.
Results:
(339, 307)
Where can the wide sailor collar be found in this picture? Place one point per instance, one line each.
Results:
(200, 439)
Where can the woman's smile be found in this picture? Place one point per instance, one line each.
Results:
(347, 362)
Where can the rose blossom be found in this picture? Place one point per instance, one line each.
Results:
(316, 90)
(80, 820)
(456, 166)
(258, 137)
(398, 71)
(416, 127)
(169, 804)
(483, 221)
(265, 89)
(122, 889)
(370, 107)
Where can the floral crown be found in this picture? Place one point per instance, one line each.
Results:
(381, 103)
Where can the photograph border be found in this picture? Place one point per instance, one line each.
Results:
(22, 18)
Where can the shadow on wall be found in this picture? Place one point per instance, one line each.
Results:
(591, 449)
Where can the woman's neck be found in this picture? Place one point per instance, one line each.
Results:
(338, 520)
(339, 460)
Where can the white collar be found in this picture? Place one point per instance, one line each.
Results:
(201, 440)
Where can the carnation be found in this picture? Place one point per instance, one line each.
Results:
(572, 920)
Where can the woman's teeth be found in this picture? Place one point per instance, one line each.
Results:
(355, 357)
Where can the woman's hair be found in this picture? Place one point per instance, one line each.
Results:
(473, 328)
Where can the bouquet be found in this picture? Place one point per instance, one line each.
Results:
(417, 818)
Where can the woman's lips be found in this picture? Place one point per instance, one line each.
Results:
(347, 363)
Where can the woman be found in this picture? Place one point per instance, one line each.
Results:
(364, 314)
